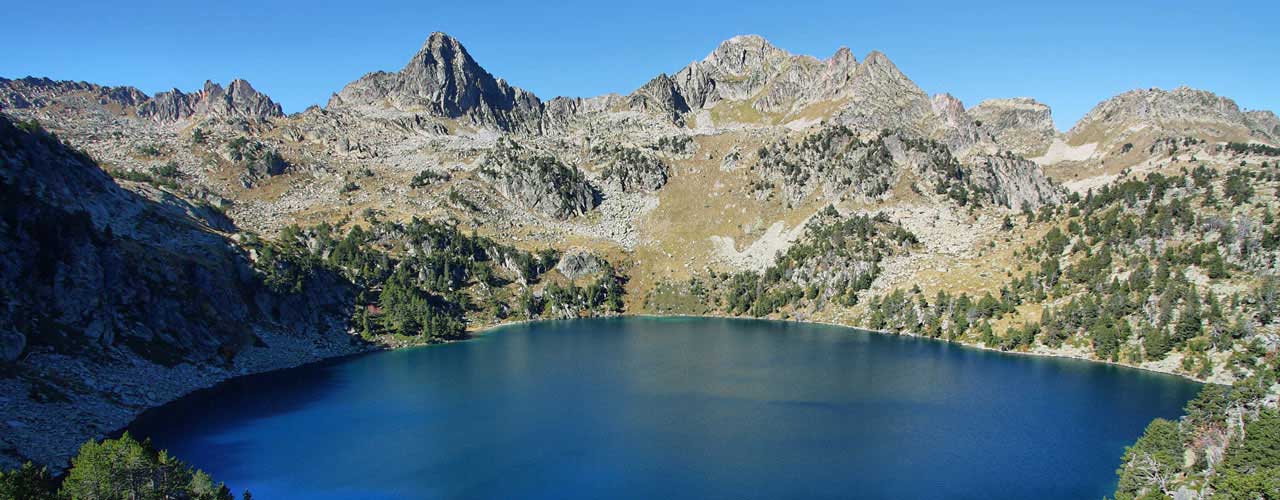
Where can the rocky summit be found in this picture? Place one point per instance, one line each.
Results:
(156, 244)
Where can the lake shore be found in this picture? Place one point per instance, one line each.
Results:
(707, 388)
(1167, 368)
(58, 438)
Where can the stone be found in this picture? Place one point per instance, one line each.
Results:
(578, 263)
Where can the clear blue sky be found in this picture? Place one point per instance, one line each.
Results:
(1069, 55)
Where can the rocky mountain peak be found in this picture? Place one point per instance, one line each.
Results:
(238, 101)
(878, 65)
(843, 60)
(880, 96)
(1158, 104)
(659, 96)
(443, 53)
(744, 54)
(443, 80)
(1182, 111)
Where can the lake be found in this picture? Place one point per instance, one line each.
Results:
(672, 408)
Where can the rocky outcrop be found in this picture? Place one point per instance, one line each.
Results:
(1020, 124)
(1182, 111)
(578, 263)
(961, 132)
(633, 170)
(880, 96)
(239, 101)
(736, 70)
(659, 97)
(443, 80)
(834, 162)
(565, 114)
(538, 182)
(133, 283)
(1264, 123)
(1014, 182)
(31, 92)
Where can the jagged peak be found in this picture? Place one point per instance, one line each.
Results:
(877, 59)
(843, 56)
(442, 79)
(662, 79)
(440, 48)
(736, 46)
(438, 40)
(878, 68)
(440, 37)
(241, 85)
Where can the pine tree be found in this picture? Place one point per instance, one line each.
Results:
(1156, 343)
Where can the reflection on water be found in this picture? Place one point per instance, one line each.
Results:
(672, 408)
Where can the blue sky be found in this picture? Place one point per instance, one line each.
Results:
(1069, 55)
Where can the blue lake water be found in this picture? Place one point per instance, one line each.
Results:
(672, 408)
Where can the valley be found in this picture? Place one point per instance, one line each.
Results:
(158, 244)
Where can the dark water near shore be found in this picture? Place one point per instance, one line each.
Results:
(672, 408)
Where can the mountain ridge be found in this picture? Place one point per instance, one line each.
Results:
(444, 80)
(750, 182)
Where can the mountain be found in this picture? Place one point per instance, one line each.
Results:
(116, 298)
(747, 79)
(1181, 110)
(1139, 127)
(238, 101)
(438, 199)
(443, 80)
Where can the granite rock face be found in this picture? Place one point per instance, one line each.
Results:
(1015, 183)
(443, 80)
(834, 162)
(538, 182)
(1020, 124)
(880, 96)
(578, 263)
(123, 278)
(661, 97)
(783, 87)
